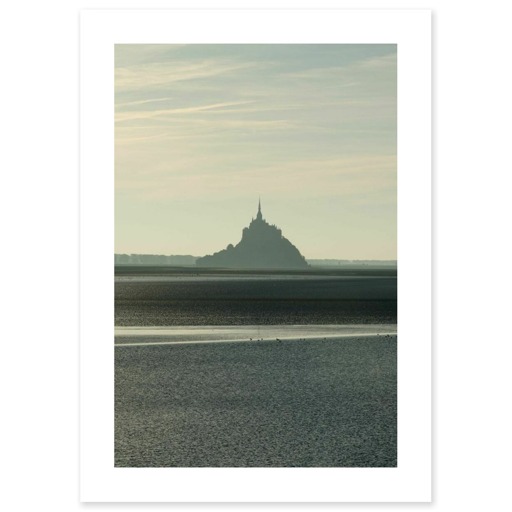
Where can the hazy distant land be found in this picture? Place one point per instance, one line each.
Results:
(189, 260)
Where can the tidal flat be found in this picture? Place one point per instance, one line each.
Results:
(316, 402)
(235, 298)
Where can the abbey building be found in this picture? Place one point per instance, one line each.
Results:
(262, 246)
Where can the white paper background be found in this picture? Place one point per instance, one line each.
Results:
(410, 481)
(471, 213)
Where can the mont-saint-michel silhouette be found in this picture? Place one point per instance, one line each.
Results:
(262, 246)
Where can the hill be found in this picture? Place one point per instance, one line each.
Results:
(262, 246)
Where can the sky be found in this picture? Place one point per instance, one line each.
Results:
(203, 131)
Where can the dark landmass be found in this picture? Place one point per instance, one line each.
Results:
(324, 403)
(262, 246)
(177, 271)
(184, 271)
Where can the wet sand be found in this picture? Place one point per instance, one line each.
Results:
(152, 335)
(303, 401)
(238, 300)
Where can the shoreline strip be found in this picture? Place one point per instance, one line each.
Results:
(245, 340)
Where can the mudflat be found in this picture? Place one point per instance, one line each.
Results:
(247, 299)
(292, 403)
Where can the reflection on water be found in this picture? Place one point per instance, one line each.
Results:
(203, 278)
(313, 403)
(203, 334)
(246, 300)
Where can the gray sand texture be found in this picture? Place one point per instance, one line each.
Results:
(316, 402)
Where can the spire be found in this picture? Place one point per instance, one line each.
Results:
(259, 209)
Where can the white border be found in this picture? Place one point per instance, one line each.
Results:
(100, 481)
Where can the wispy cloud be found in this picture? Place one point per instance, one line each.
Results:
(149, 114)
(141, 102)
(146, 76)
(347, 75)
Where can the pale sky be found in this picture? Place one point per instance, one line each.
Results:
(202, 131)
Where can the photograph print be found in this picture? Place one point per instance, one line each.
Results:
(255, 255)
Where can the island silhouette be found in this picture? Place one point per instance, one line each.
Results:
(262, 246)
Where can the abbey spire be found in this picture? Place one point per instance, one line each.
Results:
(259, 217)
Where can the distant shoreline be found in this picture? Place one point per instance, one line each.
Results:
(181, 270)
(190, 261)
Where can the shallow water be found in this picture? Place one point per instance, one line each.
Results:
(219, 334)
(250, 278)
(251, 301)
(314, 403)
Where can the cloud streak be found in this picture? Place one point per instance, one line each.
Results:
(155, 75)
(149, 114)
